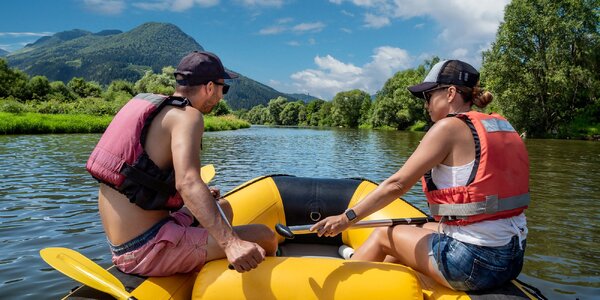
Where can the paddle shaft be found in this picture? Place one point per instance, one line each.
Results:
(305, 229)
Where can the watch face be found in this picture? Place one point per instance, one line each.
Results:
(350, 214)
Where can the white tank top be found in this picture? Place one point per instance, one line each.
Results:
(493, 233)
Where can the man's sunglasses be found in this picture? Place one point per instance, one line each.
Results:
(225, 86)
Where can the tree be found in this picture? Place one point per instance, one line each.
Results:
(60, 92)
(275, 107)
(346, 108)
(365, 111)
(13, 82)
(544, 66)
(324, 114)
(312, 112)
(121, 86)
(394, 105)
(221, 109)
(163, 83)
(39, 87)
(83, 88)
(290, 112)
(258, 115)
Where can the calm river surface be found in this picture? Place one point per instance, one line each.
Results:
(47, 199)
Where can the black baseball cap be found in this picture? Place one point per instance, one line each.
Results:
(454, 72)
(199, 67)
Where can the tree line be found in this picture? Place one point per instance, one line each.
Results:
(543, 69)
(19, 93)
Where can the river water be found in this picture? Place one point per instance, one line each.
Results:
(47, 199)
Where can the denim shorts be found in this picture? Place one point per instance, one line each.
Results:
(468, 267)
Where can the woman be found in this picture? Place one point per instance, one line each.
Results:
(475, 175)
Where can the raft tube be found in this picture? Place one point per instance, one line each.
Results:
(308, 267)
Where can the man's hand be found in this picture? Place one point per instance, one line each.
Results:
(244, 256)
(216, 192)
(331, 226)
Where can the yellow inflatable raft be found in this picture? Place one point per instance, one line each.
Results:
(308, 267)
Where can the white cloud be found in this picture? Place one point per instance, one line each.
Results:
(347, 13)
(25, 34)
(462, 21)
(293, 43)
(275, 3)
(272, 30)
(174, 5)
(105, 7)
(469, 24)
(280, 27)
(333, 76)
(312, 27)
(373, 21)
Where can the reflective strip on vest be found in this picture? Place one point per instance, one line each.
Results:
(493, 125)
(491, 205)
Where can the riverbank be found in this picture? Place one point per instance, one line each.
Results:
(36, 123)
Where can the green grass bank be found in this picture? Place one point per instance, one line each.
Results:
(37, 123)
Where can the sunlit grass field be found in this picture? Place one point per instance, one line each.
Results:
(35, 123)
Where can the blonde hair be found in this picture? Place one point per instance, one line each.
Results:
(476, 95)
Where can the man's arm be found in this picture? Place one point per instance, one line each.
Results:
(186, 137)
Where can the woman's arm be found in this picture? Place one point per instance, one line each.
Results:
(433, 149)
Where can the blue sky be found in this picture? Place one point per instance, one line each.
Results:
(319, 47)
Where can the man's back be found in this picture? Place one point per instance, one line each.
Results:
(122, 219)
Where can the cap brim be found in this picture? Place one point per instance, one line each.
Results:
(417, 90)
(230, 75)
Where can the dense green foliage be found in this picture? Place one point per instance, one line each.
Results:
(394, 107)
(79, 106)
(544, 67)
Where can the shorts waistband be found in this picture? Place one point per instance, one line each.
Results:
(138, 241)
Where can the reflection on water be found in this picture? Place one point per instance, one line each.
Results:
(47, 198)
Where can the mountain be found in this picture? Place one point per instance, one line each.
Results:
(304, 97)
(109, 55)
(3, 53)
(247, 93)
(104, 56)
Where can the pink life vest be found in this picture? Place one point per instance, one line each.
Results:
(499, 183)
(120, 161)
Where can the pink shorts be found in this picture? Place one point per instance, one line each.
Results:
(177, 247)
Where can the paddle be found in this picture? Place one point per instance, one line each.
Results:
(289, 232)
(82, 269)
(207, 173)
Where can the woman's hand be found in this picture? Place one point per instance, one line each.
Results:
(331, 226)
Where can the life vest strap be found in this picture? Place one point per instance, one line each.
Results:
(491, 205)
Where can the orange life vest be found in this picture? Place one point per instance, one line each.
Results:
(499, 183)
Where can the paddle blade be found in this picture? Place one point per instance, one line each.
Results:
(207, 173)
(82, 269)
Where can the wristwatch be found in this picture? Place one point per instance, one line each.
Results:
(350, 214)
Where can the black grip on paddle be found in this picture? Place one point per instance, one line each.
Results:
(284, 231)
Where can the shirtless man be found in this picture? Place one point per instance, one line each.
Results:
(148, 164)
